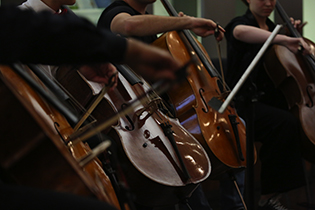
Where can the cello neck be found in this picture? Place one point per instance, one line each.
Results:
(52, 99)
(287, 21)
(129, 74)
(294, 32)
(210, 68)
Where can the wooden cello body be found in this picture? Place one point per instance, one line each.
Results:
(33, 152)
(148, 161)
(290, 74)
(294, 75)
(222, 135)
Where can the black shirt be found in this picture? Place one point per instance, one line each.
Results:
(44, 38)
(241, 54)
(121, 7)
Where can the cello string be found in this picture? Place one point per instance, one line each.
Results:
(89, 155)
(152, 97)
(133, 78)
(75, 102)
(58, 90)
(199, 57)
(159, 87)
(221, 67)
(205, 58)
(127, 110)
(36, 69)
(226, 88)
(33, 102)
(96, 101)
(293, 31)
(194, 45)
(49, 96)
(216, 34)
(55, 87)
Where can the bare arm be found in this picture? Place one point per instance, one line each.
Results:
(255, 35)
(143, 25)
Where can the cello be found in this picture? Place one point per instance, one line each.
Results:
(222, 135)
(35, 151)
(161, 162)
(294, 75)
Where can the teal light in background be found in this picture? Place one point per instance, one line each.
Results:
(240, 8)
(309, 16)
(158, 8)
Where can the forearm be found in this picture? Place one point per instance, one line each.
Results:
(253, 35)
(143, 25)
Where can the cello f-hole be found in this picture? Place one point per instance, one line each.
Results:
(129, 120)
(309, 96)
(56, 125)
(234, 124)
(206, 110)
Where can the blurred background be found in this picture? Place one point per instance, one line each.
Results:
(221, 11)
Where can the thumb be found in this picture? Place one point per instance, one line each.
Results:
(181, 14)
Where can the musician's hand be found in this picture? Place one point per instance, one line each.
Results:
(101, 73)
(298, 24)
(204, 27)
(298, 45)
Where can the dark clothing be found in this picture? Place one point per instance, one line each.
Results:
(230, 198)
(15, 197)
(274, 126)
(45, 38)
(241, 54)
(114, 9)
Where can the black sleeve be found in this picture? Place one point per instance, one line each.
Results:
(231, 25)
(44, 38)
(22, 197)
(110, 12)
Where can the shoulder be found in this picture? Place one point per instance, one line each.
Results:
(117, 7)
(232, 24)
(246, 19)
(236, 21)
(112, 10)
